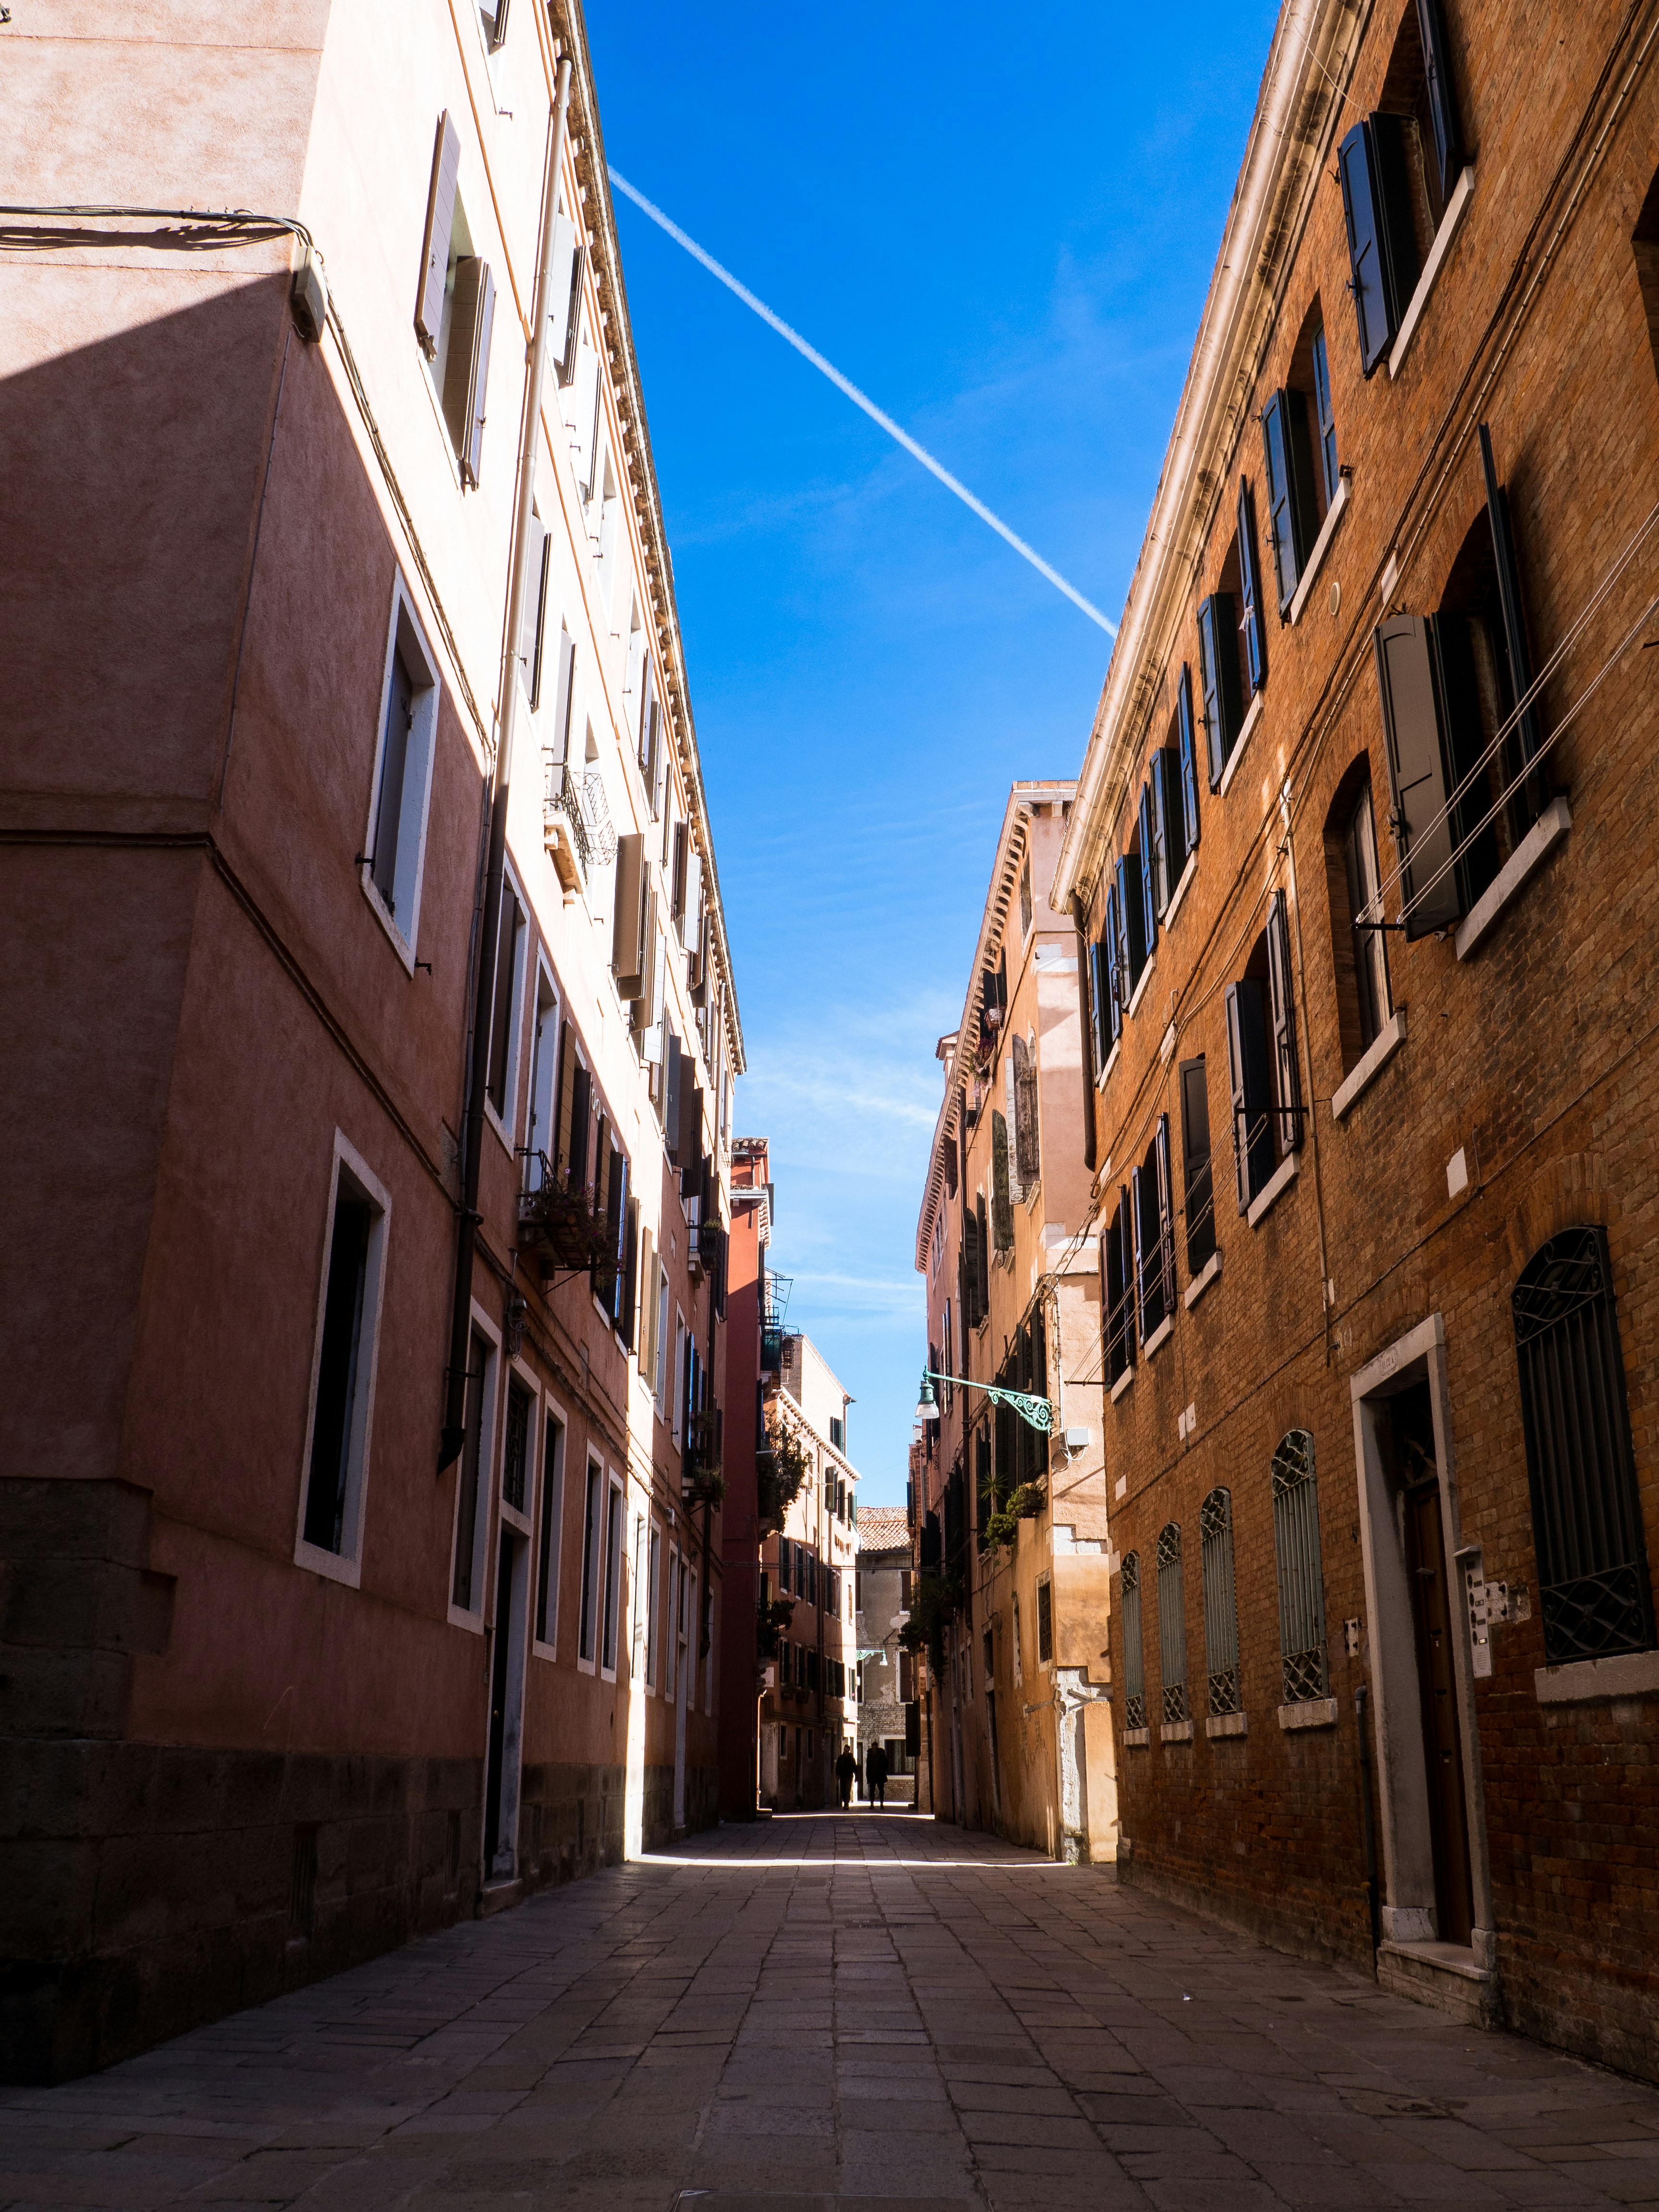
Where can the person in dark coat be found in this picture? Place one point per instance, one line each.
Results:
(875, 1773)
(847, 1768)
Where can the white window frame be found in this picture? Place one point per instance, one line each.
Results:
(591, 1575)
(653, 1607)
(522, 1520)
(345, 1566)
(612, 1594)
(504, 1125)
(489, 1437)
(658, 1380)
(551, 1408)
(676, 1385)
(423, 728)
(671, 1617)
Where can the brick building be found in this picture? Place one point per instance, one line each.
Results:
(742, 1530)
(1363, 851)
(809, 1564)
(369, 1018)
(888, 1710)
(1012, 1589)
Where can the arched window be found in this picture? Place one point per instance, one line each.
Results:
(1353, 879)
(1594, 1591)
(1134, 1660)
(1172, 1623)
(1301, 1576)
(1215, 1530)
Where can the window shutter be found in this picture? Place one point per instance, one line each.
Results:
(673, 1088)
(1137, 1216)
(692, 915)
(1443, 98)
(1011, 1118)
(1360, 210)
(1168, 839)
(1027, 1157)
(1132, 923)
(1292, 524)
(497, 37)
(1217, 667)
(1413, 723)
(1280, 977)
(1246, 1068)
(532, 619)
(645, 1326)
(1322, 369)
(627, 939)
(1508, 593)
(1251, 621)
(1165, 1212)
(633, 1335)
(1111, 946)
(967, 1271)
(1187, 752)
(1197, 1185)
(1154, 894)
(1002, 1211)
(478, 380)
(983, 1251)
(1096, 987)
(558, 738)
(570, 337)
(648, 728)
(440, 222)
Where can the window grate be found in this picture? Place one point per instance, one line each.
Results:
(1595, 1594)
(1134, 1664)
(1301, 1575)
(1215, 1528)
(516, 1457)
(1172, 1623)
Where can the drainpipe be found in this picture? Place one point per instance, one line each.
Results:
(453, 1432)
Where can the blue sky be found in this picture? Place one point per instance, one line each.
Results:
(1007, 248)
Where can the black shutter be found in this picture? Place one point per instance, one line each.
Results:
(1252, 622)
(1509, 595)
(1165, 1213)
(1442, 97)
(1247, 1070)
(630, 1285)
(1168, 842)
(1112, 945)
(1280, 977)
(1137, 1217)
(1372, 302)
(1154, 891)
(1096, 1008)
(1131, 924)
(1196, 1181)
(1292, 523)
(1413, 720)
(673, 1089)
(1217, 667)
(1189, 751)
(440, 224)
(982, 1255)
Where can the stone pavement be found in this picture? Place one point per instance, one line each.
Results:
(863, 2011)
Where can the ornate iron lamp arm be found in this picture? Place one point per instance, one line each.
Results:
(1039, 1412)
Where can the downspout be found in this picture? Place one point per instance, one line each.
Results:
(453, 1432)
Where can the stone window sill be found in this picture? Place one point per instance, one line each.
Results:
(1313, 1713)
(1210, 1273)
(1111, 1062)
(1271, 1191)
(1381, 1050)
(1224, 1724)
(1123, 1383)
(1160, 1335)
(1175, 1732)
(1246, 732)
(1321, 544)
(1180, 890)
(1581, 1681)
(1552, 825)
(1136, 1739)
(1450, 223)
(1139, 993)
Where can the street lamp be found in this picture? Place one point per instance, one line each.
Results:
(1038, 1412)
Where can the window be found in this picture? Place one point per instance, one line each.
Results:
(1020, 1085)
(1353, 878)
(610, 523)
(591, 1537)
(1464, 733)
(1045, 1613)
(1025, 909)
(515, 1446)
(533, 612)
(1117, 1315)
(566, 291)
(541, 1139)
(455, 311)
(472, 1495)
(1263, 1067)
(1198, 1192)
(1215, 1530)
(1595, 1591)
(343, 1362)
(394, 863)
(1128, 910)
(1645, 242)
(1292, 499)
(1172, 1623)
(504, 1002)
(1152, 1223)
(1002, 1211)
(493, 18)
(1218, 670)
(1135, 1661)
(550, 1547)
(1301, 1575)
(837, 1433)
(660, 1376)
(630, 939)
(1252, 623)
(613, 1548)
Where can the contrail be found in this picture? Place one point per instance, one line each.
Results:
(860, 400)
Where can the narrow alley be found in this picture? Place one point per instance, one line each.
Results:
(811, 2012)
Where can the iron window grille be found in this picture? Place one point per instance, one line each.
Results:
(1301, 1574)
(1595, 1591)
(1134, 1662)
(516, 1457)
(1172, 1623)
(1215, 1530)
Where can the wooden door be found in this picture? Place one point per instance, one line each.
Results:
(1442, 1742)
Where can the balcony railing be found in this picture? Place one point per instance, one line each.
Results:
(559, 1219)
(564, 832)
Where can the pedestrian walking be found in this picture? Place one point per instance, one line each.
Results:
(847, 1768)
(875, 1773)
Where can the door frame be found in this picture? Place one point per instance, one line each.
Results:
(1408, 1906)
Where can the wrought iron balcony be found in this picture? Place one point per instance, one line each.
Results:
(559, 1219)
(564, 831)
